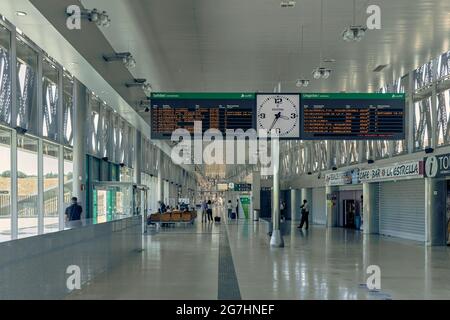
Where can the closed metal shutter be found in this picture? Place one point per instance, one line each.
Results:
(319, 213)
(402, 209)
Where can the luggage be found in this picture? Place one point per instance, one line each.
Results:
(233, 215)
(216, 219)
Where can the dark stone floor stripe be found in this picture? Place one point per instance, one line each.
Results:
(228, 286)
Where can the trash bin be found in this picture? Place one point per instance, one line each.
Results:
(255, 215)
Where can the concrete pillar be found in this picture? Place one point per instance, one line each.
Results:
(79, 143)
(160, 185)
(435, 212)
(256, 190)
(277, 239)
(332, 205)
(370, 209)
(294, 205)
(137, 157)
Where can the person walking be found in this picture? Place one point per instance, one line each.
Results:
(305, 215)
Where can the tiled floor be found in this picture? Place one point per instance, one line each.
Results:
(182, 263)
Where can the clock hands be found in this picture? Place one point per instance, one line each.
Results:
(277, 116)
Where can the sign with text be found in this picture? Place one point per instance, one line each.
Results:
(437, 166)
(412, 169)
(352, 116)
(221, 111)
(342, 178)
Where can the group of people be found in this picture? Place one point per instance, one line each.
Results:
(207, 211)
(233, 214)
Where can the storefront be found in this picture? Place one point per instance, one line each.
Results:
(438, 168)
(401, 199)
(347, 198)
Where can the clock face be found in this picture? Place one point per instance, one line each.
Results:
(280, 113)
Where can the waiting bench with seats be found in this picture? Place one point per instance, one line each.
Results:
(172, 217)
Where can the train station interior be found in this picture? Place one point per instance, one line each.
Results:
(225, 149)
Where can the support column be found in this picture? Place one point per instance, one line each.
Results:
(160, 185)
(332, 199)
(277, 239)
(137, 157)
(79, 144)
(294, 205)
(435, 212)
(256, 192)
(370, 212)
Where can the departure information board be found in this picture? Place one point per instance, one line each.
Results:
(352, 116)
(170, 111)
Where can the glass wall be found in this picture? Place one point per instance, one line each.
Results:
(5, 75)
(68, 176)
(50, 97)
(27, 61)
(51, 186)
(27, 186)
(5, 185)
(68, 109)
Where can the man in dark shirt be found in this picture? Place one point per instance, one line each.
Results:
(73, 212)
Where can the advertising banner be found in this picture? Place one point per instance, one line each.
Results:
(393, 172)
(342, 178)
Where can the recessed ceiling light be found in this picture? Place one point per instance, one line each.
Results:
(21, 13)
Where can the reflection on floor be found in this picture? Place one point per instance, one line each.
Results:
(183, 263)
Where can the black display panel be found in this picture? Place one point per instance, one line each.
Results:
(352, 116)
(222, 111)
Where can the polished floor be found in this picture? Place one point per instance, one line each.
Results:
(234, 260)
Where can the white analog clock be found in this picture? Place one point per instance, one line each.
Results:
(279, 112)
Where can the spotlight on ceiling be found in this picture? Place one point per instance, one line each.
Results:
(125, 57)
(302, 83)
(321, 72)
(21, 13)
(141, 83)
(354, 33)
(287, 3)
(100, 18)
(429, 150)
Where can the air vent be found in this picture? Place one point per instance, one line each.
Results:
(380, 67)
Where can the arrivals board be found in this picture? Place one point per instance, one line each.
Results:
(222, 111)
(352, 116)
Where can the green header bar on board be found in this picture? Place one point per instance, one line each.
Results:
(353, 96)
(203, 95)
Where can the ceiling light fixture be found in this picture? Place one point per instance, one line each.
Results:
(287, 3)
(301, 82)
(21, 13)
(100, 18)
(141, 83)
(321, 72)
(126, 57)
(354, 32)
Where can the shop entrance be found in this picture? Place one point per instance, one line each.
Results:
(351, 216)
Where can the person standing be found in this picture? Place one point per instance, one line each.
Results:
(209, 211)
(229, 208)
(305, 215)
(283, 210)
(204, 213)
(237, 208)
(73, 213)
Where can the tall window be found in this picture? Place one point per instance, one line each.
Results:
(27, 186)
(68, 108)
(50, 98)
(51, 174)
(27, 60)
(5, 75)
(68, 176)
(5, 185)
